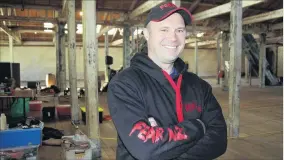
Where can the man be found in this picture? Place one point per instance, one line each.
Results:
(160, 110)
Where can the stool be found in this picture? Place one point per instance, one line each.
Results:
(63, 110)
(83, 112)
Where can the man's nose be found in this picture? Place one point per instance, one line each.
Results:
(172, 36)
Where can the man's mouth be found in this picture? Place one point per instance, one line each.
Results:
(170, 47)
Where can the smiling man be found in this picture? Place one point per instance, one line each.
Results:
(160, 110)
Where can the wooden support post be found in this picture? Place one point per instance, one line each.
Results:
(275, 60)
(247, 69)
(250, 68)
(90, 49)
(57, 48)
(218, 58)
(262, 58)
(225, 60)
(11, 56)
(126, 47)
(106, 54)
(133, 39)
(63, 58)
(235, 67)
(60, 56)
(72, 61)
(196, 57)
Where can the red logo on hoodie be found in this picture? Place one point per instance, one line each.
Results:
(156, 133)
(190, 107)
(148, 133)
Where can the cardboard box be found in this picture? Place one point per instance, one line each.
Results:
(24, 93)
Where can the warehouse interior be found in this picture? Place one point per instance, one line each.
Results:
(77, 46)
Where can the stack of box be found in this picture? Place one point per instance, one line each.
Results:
(20, 143)
(63, 110)
(35, 109)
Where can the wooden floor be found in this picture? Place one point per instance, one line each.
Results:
(260, 127)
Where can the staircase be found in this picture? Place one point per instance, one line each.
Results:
(251, 50)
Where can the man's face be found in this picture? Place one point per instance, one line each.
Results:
(166, 39)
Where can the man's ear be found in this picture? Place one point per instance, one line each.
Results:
(146, 33)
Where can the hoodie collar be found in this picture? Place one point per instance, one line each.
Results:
(142, 62)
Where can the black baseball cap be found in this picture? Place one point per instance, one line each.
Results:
(164, 10)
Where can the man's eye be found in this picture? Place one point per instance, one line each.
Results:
(164, 30)
(180, 30)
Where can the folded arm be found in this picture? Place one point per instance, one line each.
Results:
(214, 143)
(141, 140)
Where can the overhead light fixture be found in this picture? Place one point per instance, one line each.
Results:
(79, 29)
(48, 25)
(99, 28)
(200, 34)
(81, 13)
(48, 30)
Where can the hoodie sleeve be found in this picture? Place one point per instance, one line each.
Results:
(141, 140)
(214, 142)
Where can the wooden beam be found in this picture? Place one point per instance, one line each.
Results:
(203, 43)
(148, 5)
(53, 20)
(64, 7)
(56, 7)
(75, 112)
(263, 17)
(11, 55)
(106, 54)
(137, 12)
(222, 9)
(13, 34)
(225, 60)
(30, 6)
(262, 60)
(133, 4)
(126, 47)
(218, 57)
(91, 74)
(46, 43)
(196, 57)
(277, 26)
(194, 5)
(235, 67)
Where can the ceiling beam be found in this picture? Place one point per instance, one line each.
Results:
(222, 9)
(133, 4)
(145, 7)
(263, 17)
(30, 6)
(137, 12)
(44, 43)
(203, 43)
(53, 20)
(277, 26)
(64, 8)
(194, 5)
(13, 34)
(57, 8)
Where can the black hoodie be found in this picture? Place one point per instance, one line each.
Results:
(159, 118)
